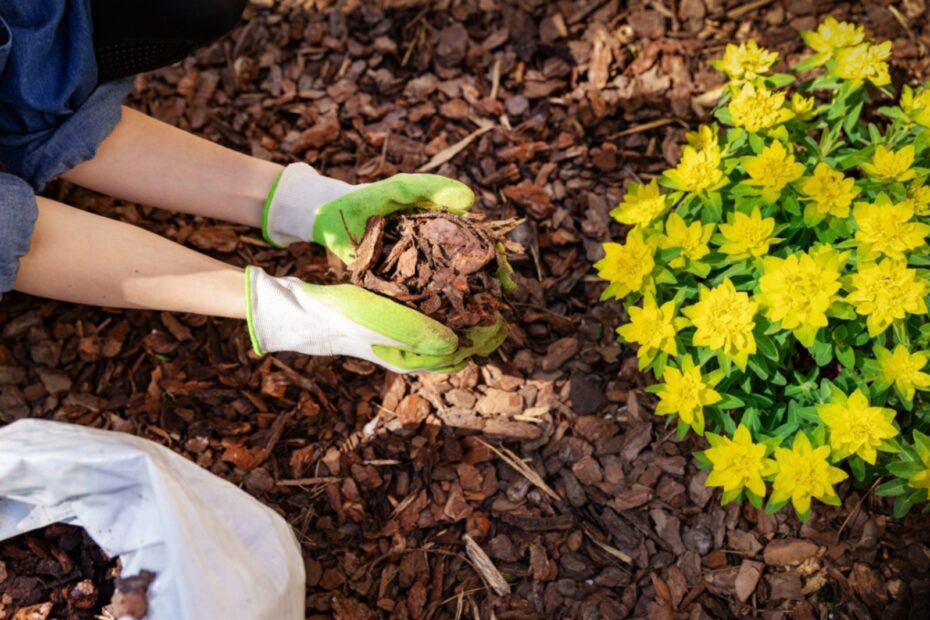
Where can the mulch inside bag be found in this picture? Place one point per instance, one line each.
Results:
(60, 572)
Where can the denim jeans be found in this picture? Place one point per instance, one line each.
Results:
(53, 114)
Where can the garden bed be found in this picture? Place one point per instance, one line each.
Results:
(548, 456)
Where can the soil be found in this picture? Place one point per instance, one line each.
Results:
(537, 484)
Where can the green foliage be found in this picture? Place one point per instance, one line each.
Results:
(778, 284)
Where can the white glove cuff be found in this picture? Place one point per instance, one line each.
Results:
(291, 207)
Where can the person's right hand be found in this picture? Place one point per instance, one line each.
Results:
(286, 314)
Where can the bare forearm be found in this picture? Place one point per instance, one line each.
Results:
(153, 163)
(89, 259)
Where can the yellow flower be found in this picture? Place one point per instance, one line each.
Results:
(797, 291)
(916, 104)
(804, 474)
(704, 137)
(627, 266)
(772, 170)
(746, 61)
(831, 35)
(698, 170)
(887, 228)
(886, 291)
(738, 463)
(686, 393)
(747, 235)
(864, 62)
(692, 239)
(890, 165)
(902, 369)
(802, 107)
(856, 427)
(641, 205)
(725, 318)
(918, 197)
(757, 108)
(921, 480)
(831, 193)
(653, 328)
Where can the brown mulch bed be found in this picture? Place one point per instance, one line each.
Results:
(547, 109)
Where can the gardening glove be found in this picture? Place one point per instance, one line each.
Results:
(286, 314)
(304, 205)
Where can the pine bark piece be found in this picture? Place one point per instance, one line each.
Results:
(485, 567)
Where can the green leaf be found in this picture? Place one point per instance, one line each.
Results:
(904, 469)
(904, 503)
(779, 80)
(761, 370)
(728, 401)
(702, 461)
(722, 114)
(892, 488)
(756, 143)
(811, 62)
(822, 351)
(773, 507)
(767, 347)
(730, 496)
(846, 355)
(852, 117)
(857, 467)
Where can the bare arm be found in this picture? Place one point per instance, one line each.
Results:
(89, 259)
(150, 162)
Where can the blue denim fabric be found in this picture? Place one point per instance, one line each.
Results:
(17, 219)
(53, 115)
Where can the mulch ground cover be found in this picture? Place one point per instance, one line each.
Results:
(537, 485)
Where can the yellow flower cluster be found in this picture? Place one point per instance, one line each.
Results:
(627, 266)
(830, 192)
(842, 46)
(745, 61)
(797, 291)
(755, 108)
(916, 104)
(698, 171)
(686, 392)
(793, 239)
(890, 166)
(724, 319)
(772, 170)
(887, 228)
(798, 474)
(886, 291)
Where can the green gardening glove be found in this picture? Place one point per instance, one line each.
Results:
(286, 314)
(306, 206)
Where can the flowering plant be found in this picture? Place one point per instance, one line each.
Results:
(775, 280)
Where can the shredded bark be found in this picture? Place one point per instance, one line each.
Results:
(446, 266)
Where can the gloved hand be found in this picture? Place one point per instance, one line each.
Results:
(286, 314)
(306, 206)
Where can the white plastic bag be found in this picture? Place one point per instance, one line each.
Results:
(217, 552)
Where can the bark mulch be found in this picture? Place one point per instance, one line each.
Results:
(538, 484)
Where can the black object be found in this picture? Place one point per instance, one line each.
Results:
(141, 35)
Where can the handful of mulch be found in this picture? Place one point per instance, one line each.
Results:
(60, 572)
(451, 268)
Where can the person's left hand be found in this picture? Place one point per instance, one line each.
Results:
(306, 206)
